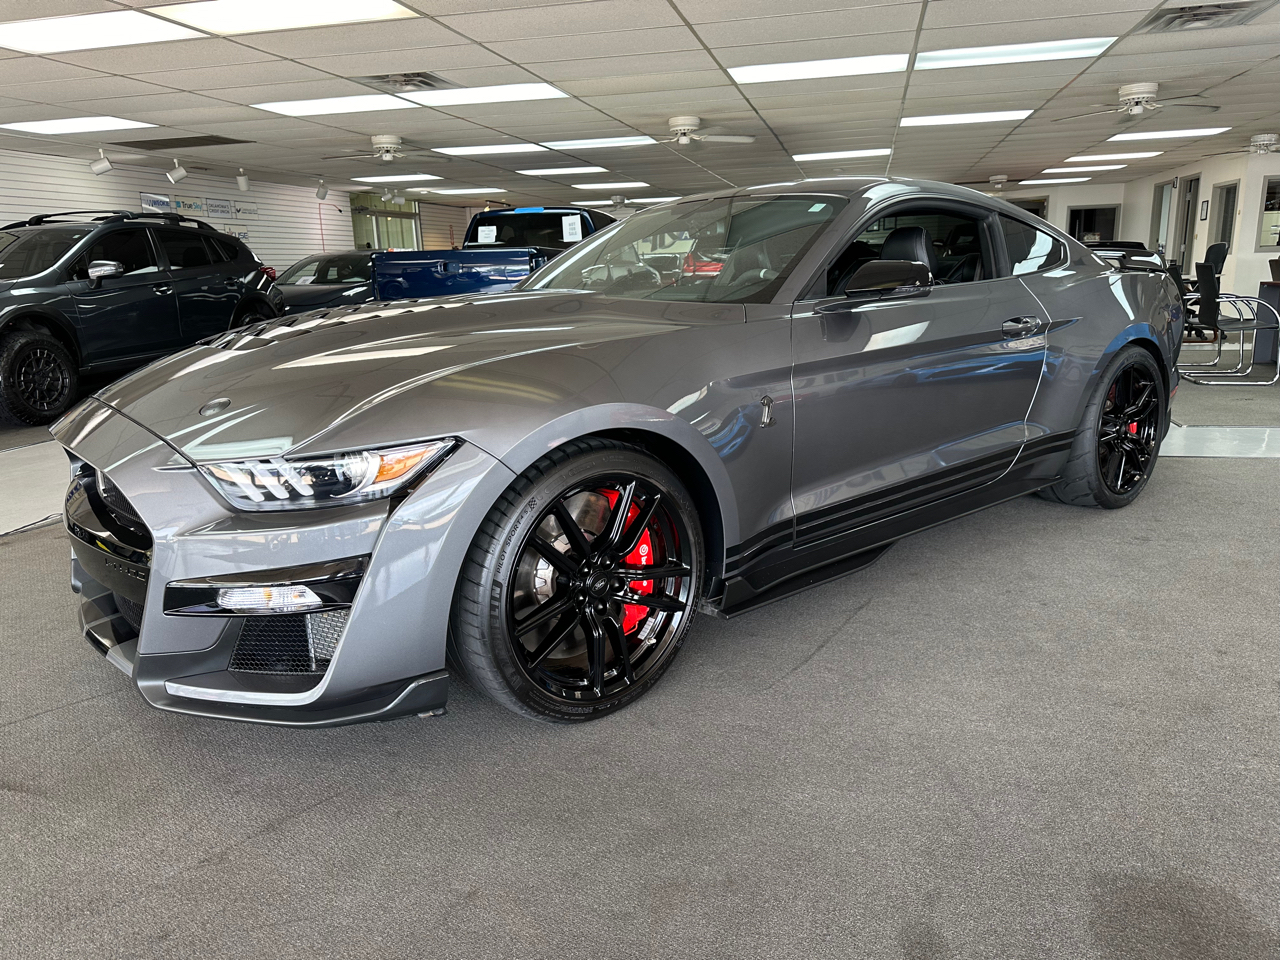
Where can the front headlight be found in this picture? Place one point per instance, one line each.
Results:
(288, 484)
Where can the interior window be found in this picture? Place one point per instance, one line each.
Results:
(185, 249)
(1030, 249)
(128, 247)
(952, 244)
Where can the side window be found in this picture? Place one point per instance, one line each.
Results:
(218, 252)
(185, 249)
(952, 243)
(128, 247)
(1030, 249)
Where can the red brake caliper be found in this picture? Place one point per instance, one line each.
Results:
(1133, 427)
(642, 555)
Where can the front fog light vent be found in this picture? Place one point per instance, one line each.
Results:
(296, 598)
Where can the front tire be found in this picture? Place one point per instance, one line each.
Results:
(38, 379)
(550, 619)
(1116, 447)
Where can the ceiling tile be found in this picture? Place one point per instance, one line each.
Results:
(57, 91)
(352, 38)
(173, 55)
(239, 75)
(615, 86)
(606, 44)
(26, 70)
(740, 56)
(962, 13)
(626, 66)
(433, 59)
(307, 90)
(563, 20)
(847, 24)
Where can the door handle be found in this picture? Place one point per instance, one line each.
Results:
(162, 288)
(1020, 327)
(766, 412)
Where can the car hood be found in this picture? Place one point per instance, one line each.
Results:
(303, 295)
(282, 385)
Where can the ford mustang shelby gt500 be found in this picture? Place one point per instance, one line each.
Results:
(314, 520)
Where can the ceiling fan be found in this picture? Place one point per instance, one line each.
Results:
(1139, 98)
(1260, 143)
(389, 147)
(685, 131)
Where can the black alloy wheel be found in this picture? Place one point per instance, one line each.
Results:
(38, 379)
(580, 586)
(1130, 429)
(602, 586)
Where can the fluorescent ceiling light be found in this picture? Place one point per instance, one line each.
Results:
(651, 199)
(1170, 134)
(814, 69)
(557, 171)
(1013, 53)
(461, 191)
(75, 125)
(1114, 156)
(842, 154)
(617, 185)
(357, 104)
(505, 93)
(491, 149)
(88, 31)
(1105, 166)
(945, 118)
(598, 142)
(593, 203)
(229, 17)
(1059, 180)
(398, 178)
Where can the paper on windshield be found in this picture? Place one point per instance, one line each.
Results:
(486, 235)
(571, 228)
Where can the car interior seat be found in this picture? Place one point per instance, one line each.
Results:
(910, 243)
(963, 251)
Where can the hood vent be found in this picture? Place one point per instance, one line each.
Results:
(406, 82)
(1203, 16)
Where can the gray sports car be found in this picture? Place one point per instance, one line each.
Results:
(706, 407)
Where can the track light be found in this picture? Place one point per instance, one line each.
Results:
(398, 200)
(322, 191)
(242, 182)
(177, 173)
(386, 195)
(101, 165)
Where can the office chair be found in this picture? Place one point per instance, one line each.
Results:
(1208, 301)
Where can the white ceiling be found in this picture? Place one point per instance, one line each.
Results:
(629, 65)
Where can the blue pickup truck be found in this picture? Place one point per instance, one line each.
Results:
(501, 248)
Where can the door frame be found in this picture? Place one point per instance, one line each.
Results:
(1188, 212)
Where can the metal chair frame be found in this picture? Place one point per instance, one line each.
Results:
(1246, 310)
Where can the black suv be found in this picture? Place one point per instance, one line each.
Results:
(113, 291)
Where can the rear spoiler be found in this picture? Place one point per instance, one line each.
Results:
(1129, 255)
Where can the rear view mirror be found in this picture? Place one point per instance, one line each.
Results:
(889, 280)
(101, 269)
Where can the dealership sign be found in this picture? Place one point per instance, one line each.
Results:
(155, 203)
(219, 208)
(189, 206)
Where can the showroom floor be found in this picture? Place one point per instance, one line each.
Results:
(1039, 731)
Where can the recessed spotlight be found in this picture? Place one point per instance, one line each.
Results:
(503, 93)
(1104, 166)
(361, 103)
(1013, 53)
(1170, 134)
(616, 185)
(842, 154)
(815, 69)
(118, 28)
(101, 165)
(230, 17)
(463, 191)
(177, 173)
(242, 182)
(996, 116)
(75, 125)
(398, 178)
(598, 142)
(1059, 180)
(1114, 156)
(493, 149)
(559, 171)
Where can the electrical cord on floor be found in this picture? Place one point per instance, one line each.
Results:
(51, 518)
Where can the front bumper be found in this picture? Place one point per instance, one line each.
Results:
(161, 526)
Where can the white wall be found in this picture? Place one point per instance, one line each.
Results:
(288, 225)
(1065, 196)
(436, 219)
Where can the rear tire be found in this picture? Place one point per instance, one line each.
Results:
(248, 313)
(549, 619)
(38, 379)
(1116, 447)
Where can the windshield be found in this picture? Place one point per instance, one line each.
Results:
(725, 250)
(348, 268)
(556, 229)
(26, 252)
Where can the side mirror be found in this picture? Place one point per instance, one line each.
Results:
(102, 269)
(890, 280)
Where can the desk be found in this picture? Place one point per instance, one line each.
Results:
(1264, 348)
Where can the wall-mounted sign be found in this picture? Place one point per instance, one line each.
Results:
(1204, 209)
(219, 208)
(189, 206)
(246, 210)
(235, 230)
(155, 203)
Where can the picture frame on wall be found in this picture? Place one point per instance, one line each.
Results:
(1204, 209)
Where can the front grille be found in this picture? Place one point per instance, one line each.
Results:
(295, 643)
(131, 610)
(118, 505)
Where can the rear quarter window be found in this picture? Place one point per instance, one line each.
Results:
(1030, 250)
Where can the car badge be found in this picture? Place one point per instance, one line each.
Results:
(215, 406)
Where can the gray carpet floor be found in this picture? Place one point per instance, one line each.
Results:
(1037, 732)
(1228, 406)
